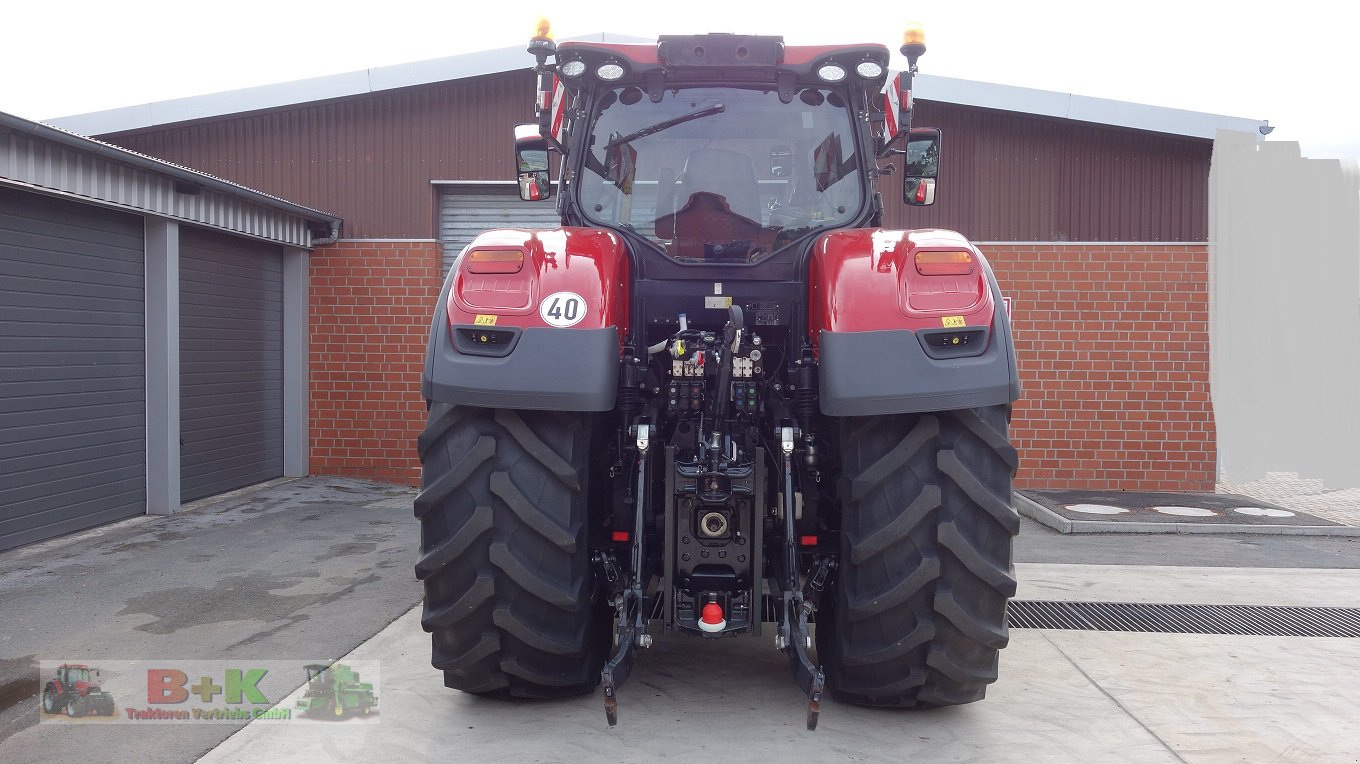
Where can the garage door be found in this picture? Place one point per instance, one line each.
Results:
(465, 211)
(72, 367)
(231, 363)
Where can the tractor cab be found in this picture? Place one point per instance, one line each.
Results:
(75, 676)
(733, 151)
(758, 177)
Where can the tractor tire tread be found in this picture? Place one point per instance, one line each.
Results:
(918, 607)
(509, 594)
(898, 593)
(456, 545)
(524, 576)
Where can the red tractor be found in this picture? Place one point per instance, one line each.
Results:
(74, 690)
(720, 399)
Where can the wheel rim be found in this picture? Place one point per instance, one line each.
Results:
(70, 708)
(339, 710)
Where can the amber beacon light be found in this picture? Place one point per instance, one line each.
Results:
(543, 29)
(541, 45)
(913, 42)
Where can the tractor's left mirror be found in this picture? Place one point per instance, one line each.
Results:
(531, 164)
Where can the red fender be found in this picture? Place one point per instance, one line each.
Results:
(867, 280)
(906, 321)
(519, 308)
(589, 262)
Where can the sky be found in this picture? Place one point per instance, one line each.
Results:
(1291, 63)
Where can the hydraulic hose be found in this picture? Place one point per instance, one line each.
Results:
(731, 338)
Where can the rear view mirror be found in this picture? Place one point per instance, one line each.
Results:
(781, 161)
(921, 166)
(531, 164)
(620, 164)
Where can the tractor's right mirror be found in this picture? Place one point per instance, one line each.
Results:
(921, 166)
(531, 164)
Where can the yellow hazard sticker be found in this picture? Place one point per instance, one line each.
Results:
(952, 322)
(484, 320)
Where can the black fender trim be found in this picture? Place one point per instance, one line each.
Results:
(548, 369)
(1002, 325)
(888, 372)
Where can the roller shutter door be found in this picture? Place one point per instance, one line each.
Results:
(231, 363)
(72, 367)
(465, 211)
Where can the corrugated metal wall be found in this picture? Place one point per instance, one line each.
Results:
(1014, 177)
(105, 180)
(1008, 176)
(369, 159)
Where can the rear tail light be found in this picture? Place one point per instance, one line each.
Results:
(495, 261)
(948, 263)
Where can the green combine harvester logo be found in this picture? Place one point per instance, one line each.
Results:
(334, 692)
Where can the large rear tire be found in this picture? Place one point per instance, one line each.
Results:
(919, 607)
(510, 600)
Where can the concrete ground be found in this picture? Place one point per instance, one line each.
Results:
(302, 569)
(1063, 695)
(321, 569)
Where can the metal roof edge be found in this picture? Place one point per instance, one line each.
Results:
(478, 63)
(151, 164)
(1105, 111)
(456, 67)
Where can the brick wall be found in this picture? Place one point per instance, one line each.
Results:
(371, 304)
(1113, 343)
(1113, 346)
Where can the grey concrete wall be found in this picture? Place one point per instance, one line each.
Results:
(1284, 249)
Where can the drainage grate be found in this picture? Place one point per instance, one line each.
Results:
(1246, 620)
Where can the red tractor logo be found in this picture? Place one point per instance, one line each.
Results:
(75, 690)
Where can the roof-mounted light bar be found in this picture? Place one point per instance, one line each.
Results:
(830, 72)
(610, 71)
(572, 68)
(869, 70)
